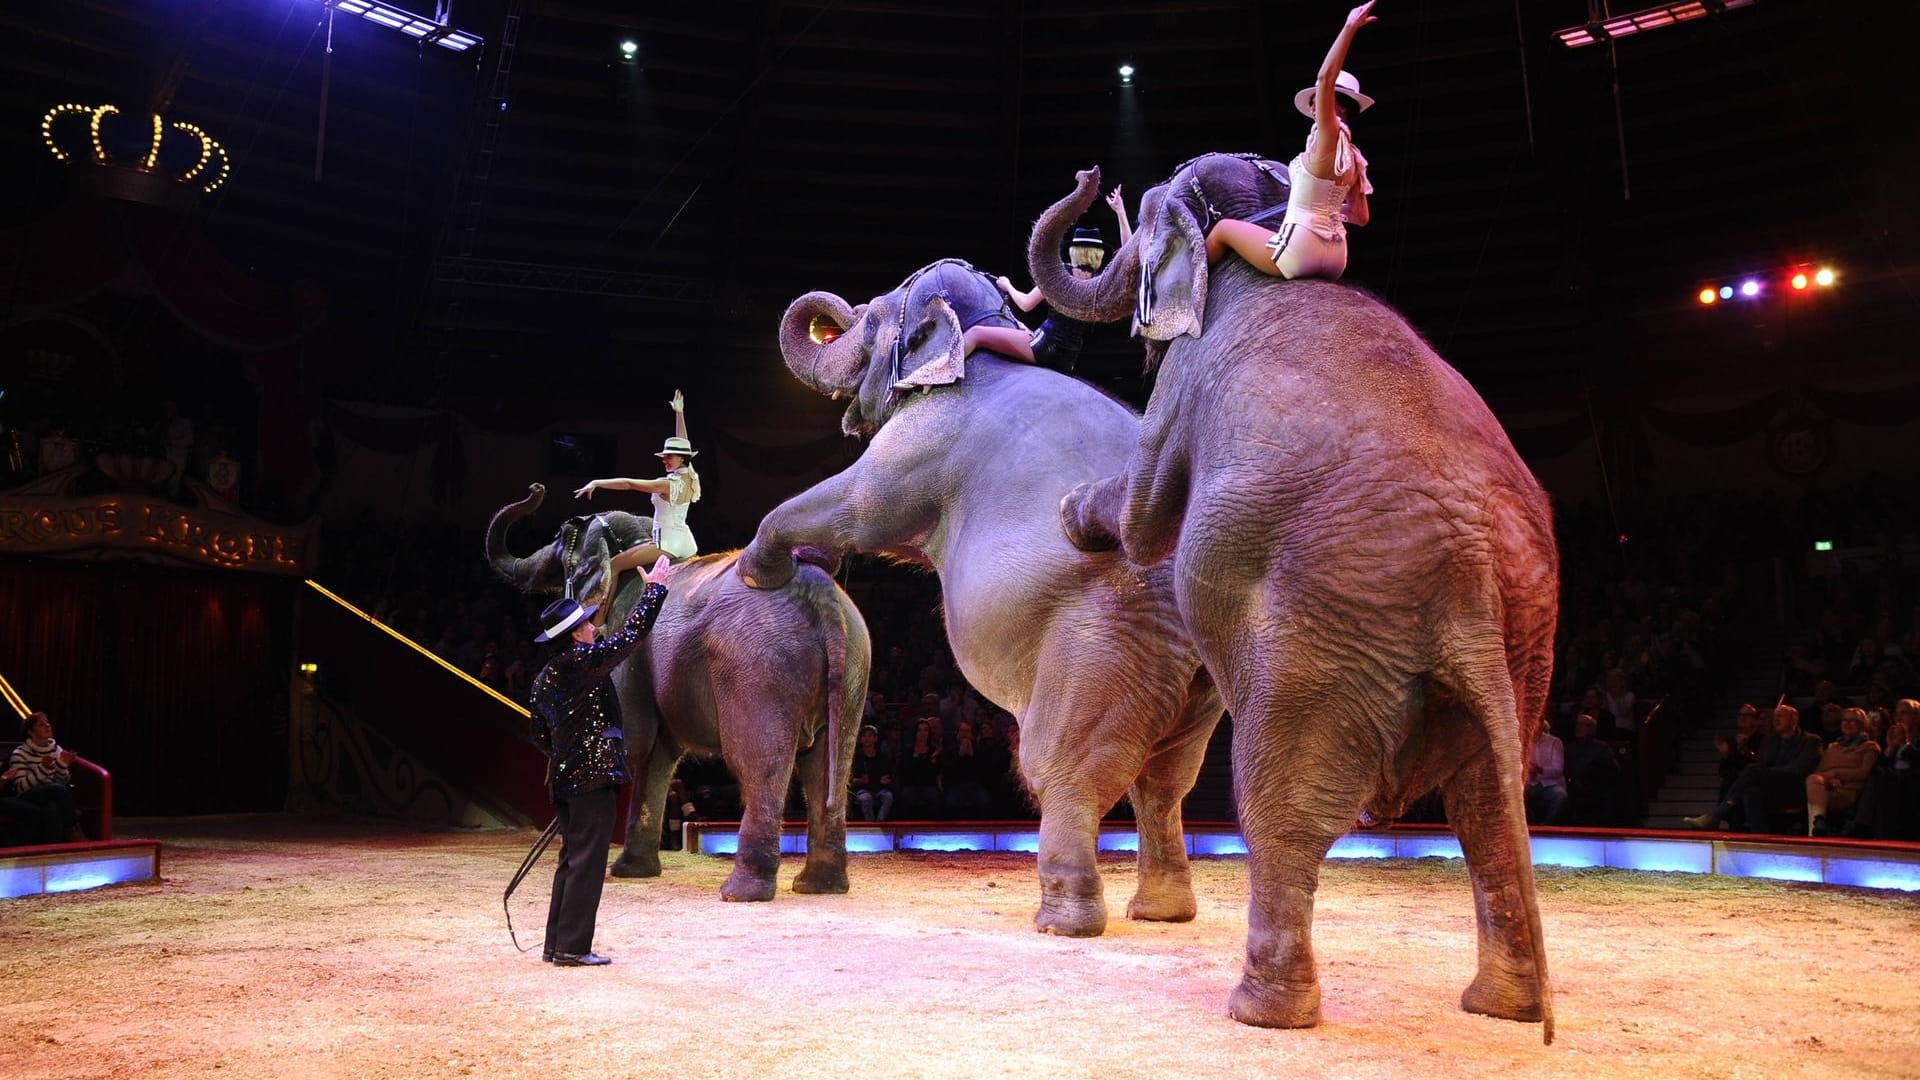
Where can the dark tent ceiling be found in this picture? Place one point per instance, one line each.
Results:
(579, 222)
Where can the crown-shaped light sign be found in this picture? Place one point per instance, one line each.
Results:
(118, 139)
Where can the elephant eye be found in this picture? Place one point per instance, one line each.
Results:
(920, 335)
(823, 330)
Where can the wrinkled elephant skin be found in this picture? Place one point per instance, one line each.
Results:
(969, 460)
(1356, 543)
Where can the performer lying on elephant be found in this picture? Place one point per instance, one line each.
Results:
(1057, 343)
(672, 494)
(1329, 180)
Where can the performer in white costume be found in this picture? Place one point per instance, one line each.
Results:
(672, 494)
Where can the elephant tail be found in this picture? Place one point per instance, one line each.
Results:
(849, 657)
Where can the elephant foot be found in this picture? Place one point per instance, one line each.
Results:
(745, 886)
(1071, 917)
(1166, 904)
(1083, 529)
(1275, 1005)
(632, 864)
(821, 879)
(1504, 996)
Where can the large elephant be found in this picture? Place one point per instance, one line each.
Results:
(969, 459)
(756, 677)
(1365, 564)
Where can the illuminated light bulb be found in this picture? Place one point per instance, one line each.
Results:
(1799, 281)
(1749, 287)
(629, 48)
(1708, 295)
(1726, 292)
(1823, 277)
(1126, 71)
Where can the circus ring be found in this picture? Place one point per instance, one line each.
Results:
(287, 946)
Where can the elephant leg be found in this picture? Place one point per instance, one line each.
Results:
(640, 853)
(1074, 778)
(763, 793)
(1165, 890)
(1508, 982)
(820, 772)
(1305, 753)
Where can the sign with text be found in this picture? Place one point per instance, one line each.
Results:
(140, 526)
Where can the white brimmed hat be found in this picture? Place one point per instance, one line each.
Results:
(1343, 83)
(562, 616)
(677, 445)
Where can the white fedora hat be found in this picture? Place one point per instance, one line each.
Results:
(1343, 83)
(677, 445)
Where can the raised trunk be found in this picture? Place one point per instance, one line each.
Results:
(820, 341)
(1106, 297)
(535, 574)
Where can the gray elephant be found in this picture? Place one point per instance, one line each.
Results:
(753, 676)
(969, 459)
(1365, 564)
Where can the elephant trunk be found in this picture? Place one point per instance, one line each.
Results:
(818, 342)
(535, 574)
(1106, 297)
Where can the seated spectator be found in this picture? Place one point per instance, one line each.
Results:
(966, 795)
(872, 779)
(21, 822)
(1777, 776)
(920, 774)
(37, 773)
(1835, 783)
(1889, 807)
(1592, 775)
(1546, 779)
(1829, 728)
(1737, 750)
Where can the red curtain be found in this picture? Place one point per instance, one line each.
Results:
(174, 681)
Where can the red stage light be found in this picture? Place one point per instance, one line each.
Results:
(1799, 281)
(1708, 295)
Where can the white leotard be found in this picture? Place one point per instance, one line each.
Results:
(670, 532)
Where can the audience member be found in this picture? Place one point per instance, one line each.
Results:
(966, 795)
(37, 773)
(1546, 779)
(1776, 778)
(920, 774)
(1836, 782)
(1737, 750)
(872, 779)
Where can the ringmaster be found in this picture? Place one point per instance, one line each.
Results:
(576, 723)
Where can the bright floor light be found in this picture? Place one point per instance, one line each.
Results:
(1708, 295)
(1749, 288)
(1823, 277)
(1799, 281)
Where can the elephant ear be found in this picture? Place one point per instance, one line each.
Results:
(1171, 298)
(931, 350)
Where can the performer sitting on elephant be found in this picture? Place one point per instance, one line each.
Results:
(672, 494)
(1057, 343)
(1329, 180)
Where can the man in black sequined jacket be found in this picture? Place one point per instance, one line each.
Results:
(576, 723)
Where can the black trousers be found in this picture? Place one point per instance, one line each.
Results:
(586, 830)
(58, 816)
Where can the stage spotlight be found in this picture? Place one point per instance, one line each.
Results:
(1708, 295)
(1126, 73)
(1749, 288)
(1798, 281)
(1726, 292)
(1823, 277)
(629, 49)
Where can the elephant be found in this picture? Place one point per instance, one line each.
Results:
(968, 459)
(757, 677)
(1353, 539)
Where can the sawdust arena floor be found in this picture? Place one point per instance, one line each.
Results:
(276, 947)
